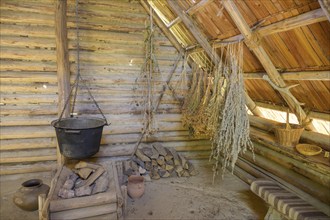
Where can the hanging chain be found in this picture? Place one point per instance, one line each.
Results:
(78, 77)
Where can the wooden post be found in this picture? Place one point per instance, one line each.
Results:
(62, 57)
(202, 40)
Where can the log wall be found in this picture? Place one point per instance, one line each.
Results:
(112, 35)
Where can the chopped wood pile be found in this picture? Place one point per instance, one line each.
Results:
(86, 179)
(109, 204)
(155, 161)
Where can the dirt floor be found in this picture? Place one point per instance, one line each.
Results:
(169, 198)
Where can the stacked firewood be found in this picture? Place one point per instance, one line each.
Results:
(86, 179)
(156, 161)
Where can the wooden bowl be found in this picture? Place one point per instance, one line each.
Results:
(308, 149)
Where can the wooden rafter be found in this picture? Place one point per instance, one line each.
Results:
(195, 31)
(192, 10)
(202, 40)
(307, 18)
(302, 75)
(252, 40)
(163, 27)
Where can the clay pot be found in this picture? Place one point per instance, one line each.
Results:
(26, 197)
(135, 186)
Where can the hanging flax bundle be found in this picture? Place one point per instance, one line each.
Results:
(232, 136)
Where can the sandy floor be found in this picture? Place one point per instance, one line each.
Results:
(168, 198)
(197, 198)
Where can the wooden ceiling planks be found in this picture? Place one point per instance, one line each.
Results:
(258, 9)
(317, 96)
(315, 46)
(246, 12)
(260, 90)
(322, 36)
(203, 19)
(207, 17)
(285, 52)
(250, 62)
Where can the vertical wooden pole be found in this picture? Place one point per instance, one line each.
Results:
(62, 57)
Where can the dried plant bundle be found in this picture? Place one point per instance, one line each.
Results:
(232, 136)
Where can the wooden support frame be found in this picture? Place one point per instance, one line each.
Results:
(62, 57)
(252, 40)
(202, 40)
(163, 27)
(192, 10)
(304, 19)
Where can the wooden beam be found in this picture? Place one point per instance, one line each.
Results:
(192, 10)
(62, 57)
(163, 27)
(325, 6)
(215, 44)
(301, 75)
(252, 105)
(199, 36)
(252, 40)
(202, 40)
(307, 18)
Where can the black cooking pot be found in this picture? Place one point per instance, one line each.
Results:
(79, 138)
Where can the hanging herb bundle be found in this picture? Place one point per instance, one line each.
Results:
(145, 84)
(193, 108)
(200, 117)
(215, 104)
(232, 135)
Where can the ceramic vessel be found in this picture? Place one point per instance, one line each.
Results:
(135, 186)
(26, 197)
